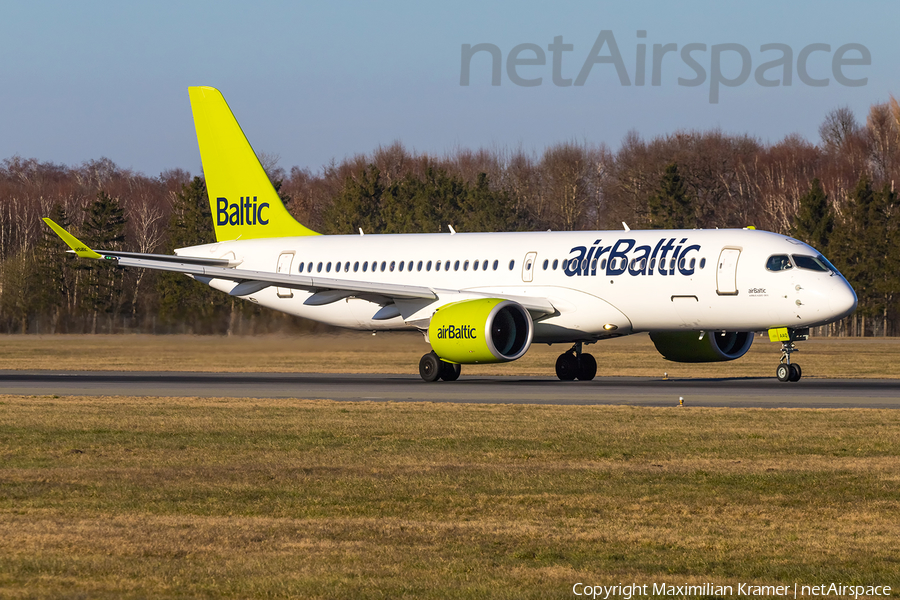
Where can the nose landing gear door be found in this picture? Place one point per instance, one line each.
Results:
(726, 272)
(528, 267)
(284, 266)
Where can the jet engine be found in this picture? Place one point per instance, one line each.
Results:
(694, 346)
(488, 330)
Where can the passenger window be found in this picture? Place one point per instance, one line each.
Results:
(419, 266)
(365, 266)
(693, 262)
(428, 266)
(456, 266)
(512, 264)
(556, 263)
(393, 264)
(702, 262)
(301, 267)
(496, 264)
(437, 266)
(319, 268)
(475, 265)
(347, 267)
(309, 267)
(328, 267)
(466, 266)
(337, 267)
(603, 264)
(546, 264)
(810, 263)
(401, 265)
(779, 262)
(447, 265)
(384, 265)
(409, 265)
(356, 266)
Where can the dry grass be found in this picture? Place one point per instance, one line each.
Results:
(182, 497)
(400, 353)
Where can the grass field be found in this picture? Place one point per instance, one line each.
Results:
(400, 353)
(206, 498)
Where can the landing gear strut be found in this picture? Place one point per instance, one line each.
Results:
(575, 364)
(788, 371)
(432, 368)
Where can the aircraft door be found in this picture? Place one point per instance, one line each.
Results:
(284, 266)
(528, 266)
(726, 272)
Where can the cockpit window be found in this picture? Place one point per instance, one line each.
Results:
(779, 262)
(810, 263)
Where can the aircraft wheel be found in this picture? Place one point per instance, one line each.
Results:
(449, 371)
(587, 367)
(783, 372)
(796, 372)
(566, 366)
(430, 367)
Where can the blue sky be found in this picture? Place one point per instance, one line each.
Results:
(312, 82)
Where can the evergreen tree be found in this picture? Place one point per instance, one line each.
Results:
(183, 300)
(671, 207)
(103, 283)
(814, 221)
(486, 210)
(19, 301)
(52, 270)
(425, 205)
(419, 204)
(359, 205)
(854, 244)
(884, 234)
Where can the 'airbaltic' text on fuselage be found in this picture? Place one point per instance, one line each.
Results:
(664, 258)
(247, 212)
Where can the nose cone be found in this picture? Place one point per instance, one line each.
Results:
(841, 298)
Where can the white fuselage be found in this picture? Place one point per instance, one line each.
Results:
(601, 283)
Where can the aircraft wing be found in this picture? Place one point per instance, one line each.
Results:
(247, 282)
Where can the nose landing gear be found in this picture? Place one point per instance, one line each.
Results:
(575, 364)
(788, 371)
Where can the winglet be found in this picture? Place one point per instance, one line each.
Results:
(77, 246)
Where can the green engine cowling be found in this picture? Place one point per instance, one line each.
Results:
(488, 330)
(690, 347)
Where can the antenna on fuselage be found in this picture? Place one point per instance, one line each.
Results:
(625, 225)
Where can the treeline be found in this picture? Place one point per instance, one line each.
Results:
(838, 194)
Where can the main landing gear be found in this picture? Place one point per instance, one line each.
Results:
(788, 371)
(432, 368)
(575, 364)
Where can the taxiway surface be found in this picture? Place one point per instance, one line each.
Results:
(644, 391)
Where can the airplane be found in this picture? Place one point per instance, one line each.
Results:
(487, 297)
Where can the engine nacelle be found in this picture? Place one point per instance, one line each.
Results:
(488, 330)
(687, 346)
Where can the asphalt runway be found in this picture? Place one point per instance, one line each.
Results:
(639, 391)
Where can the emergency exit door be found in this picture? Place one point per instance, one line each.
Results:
(284, 266)
(528, 266)
(726, 272)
